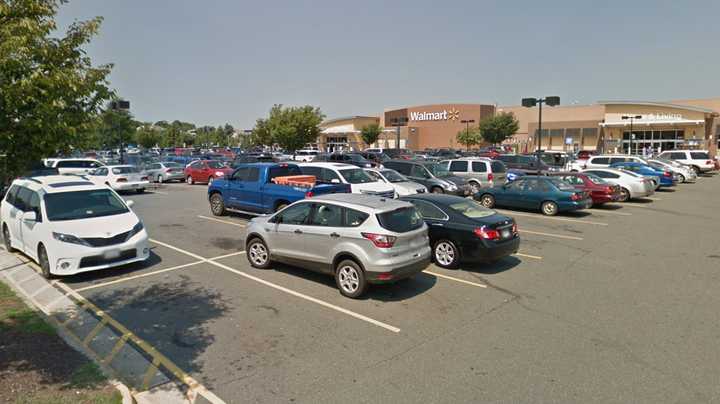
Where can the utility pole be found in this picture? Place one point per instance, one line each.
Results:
(467, 129)
(632, 118)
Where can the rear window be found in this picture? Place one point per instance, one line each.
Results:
(401, 220)
(471, 209)
(561, 185)
(283, 171)
(699, 156)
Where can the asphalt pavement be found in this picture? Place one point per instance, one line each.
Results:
(615, 304)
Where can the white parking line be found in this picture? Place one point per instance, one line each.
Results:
(226, 256)
(129, 278)
(609, 212)
(221, 221)
(158, 192)
(539, 233)
(284, 289)
(539, 216)
(652, 198)
(535, 257)
(480, 285)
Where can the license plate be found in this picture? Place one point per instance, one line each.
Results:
(112, 254)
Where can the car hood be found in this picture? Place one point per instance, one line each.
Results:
(407, 185)
(100, 227)
(372, 187)
(453, 179)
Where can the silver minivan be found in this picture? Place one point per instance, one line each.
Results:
(479, 172)
(359, 239)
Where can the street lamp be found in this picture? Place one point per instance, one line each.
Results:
(397, 123)
(467, 123)
(531, 102)
(632, 119)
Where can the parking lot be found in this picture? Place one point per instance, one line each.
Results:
(615, 304)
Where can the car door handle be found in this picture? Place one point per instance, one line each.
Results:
(298, 231)
(334, 235)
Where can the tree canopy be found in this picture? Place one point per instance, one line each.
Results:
(497, 128)
(50, 92)
(469, 138)
(370, 133)
(289, 127)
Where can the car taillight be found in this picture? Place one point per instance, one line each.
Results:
(667, 174)
(575, 197)
(143, 178)
(121, 180)
(490, 177)
(515, 228)
(380, 240)
(486, 234)
(609, 190)
(309, 194)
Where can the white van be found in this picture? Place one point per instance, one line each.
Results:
(698, 160)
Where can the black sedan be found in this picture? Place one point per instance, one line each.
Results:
(462, 230)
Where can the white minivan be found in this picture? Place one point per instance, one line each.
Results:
(698, 160)
(337, 173)
(74, 166)
(69, 225)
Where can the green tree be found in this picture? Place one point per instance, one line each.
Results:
(370, 133)
(291, 128)
(497, 128)
(50, 92)
(117, 128)
(468, 137)
(148, 137)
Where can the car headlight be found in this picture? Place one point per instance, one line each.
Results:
(452, 187)
(135, 230)
(219, 173)
(69, 238)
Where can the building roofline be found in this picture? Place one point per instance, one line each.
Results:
(658, 104)
(345, 118)
(442, 103)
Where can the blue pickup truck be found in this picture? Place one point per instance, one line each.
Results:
(250, 189)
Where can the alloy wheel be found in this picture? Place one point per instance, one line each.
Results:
(487, 201)
(445, 253)
(549, 208)
(44, 262)
(258, 254)
(6, 239)
(349, 279)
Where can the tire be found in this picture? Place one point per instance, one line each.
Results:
(549, 208)
(189, 180)
(696, 169)
(210, 181)
(6, 239)
(624, 195)
(475, 187)
(44, 262)
(258, 255)
(350, 279)
(280, 206)
(487, 201)
(437, 190)
(140, 190)
(446, 254)
(681, 178)
(217, 205)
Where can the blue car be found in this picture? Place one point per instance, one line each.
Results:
(550, 195)
(661, 178)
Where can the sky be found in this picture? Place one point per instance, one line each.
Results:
(210, 62)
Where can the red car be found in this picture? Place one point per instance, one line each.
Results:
(205, 171)
(600, 190)
(585, 154)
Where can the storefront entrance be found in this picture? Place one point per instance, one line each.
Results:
(657, 140)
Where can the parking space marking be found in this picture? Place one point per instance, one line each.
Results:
(158, 192)
(652, 198)
(480, 285)
(284, 289)
(226, 256)
(222, 221)
(610, 212)
(637, 205)
(535, 257)
(539, 216)
(539, 233)
(129, 278)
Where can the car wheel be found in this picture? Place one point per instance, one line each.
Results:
(549, 208)
(624, 195)
(475, 187)
(696, 169)
(437, 190)
(350, 279)
(258, 254)
(210, 181)
(217, 205)
(445, 253)
(681, 178)
(487, 201)
(140, 190)
(189, 180)
(6, 239)
(44, 262)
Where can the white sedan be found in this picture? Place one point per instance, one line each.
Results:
(402, 185)
(120, 178)
(631, 185)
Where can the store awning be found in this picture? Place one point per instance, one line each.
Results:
(645, 122)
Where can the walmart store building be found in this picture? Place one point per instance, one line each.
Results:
(681, 124)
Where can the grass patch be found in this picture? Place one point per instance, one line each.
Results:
(16, 316)
(87, 376)
(105, 397)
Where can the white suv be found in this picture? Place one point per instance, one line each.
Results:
(69, 225)
(604, 161)
(74, 166)
(698, 160)
(338, 173)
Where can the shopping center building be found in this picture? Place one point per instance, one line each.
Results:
(679, 124)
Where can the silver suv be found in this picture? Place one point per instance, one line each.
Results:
(479, 172)
(359, 239)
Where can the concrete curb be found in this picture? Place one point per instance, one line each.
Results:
(127, 397)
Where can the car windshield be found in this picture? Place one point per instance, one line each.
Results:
(561, 185)
(393, 176)
(596, 180)
(356, 176)
(400, 220)
(471, 209)
(83, 204)
(215, 164)
(438, 170)
(124, 170)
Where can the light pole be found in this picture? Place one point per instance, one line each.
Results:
(632, 119)
(531, 102)
(397, 123)
(467, 123)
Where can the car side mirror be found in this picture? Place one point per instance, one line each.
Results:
(130, 203)
(30, 216)
(334, 181)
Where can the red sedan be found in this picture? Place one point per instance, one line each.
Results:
(205, 171)
(600, 190)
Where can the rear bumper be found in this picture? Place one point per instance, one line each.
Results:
(129, 186)
(574, 205)
(393, 274)
(604, 198)
(485, 252)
